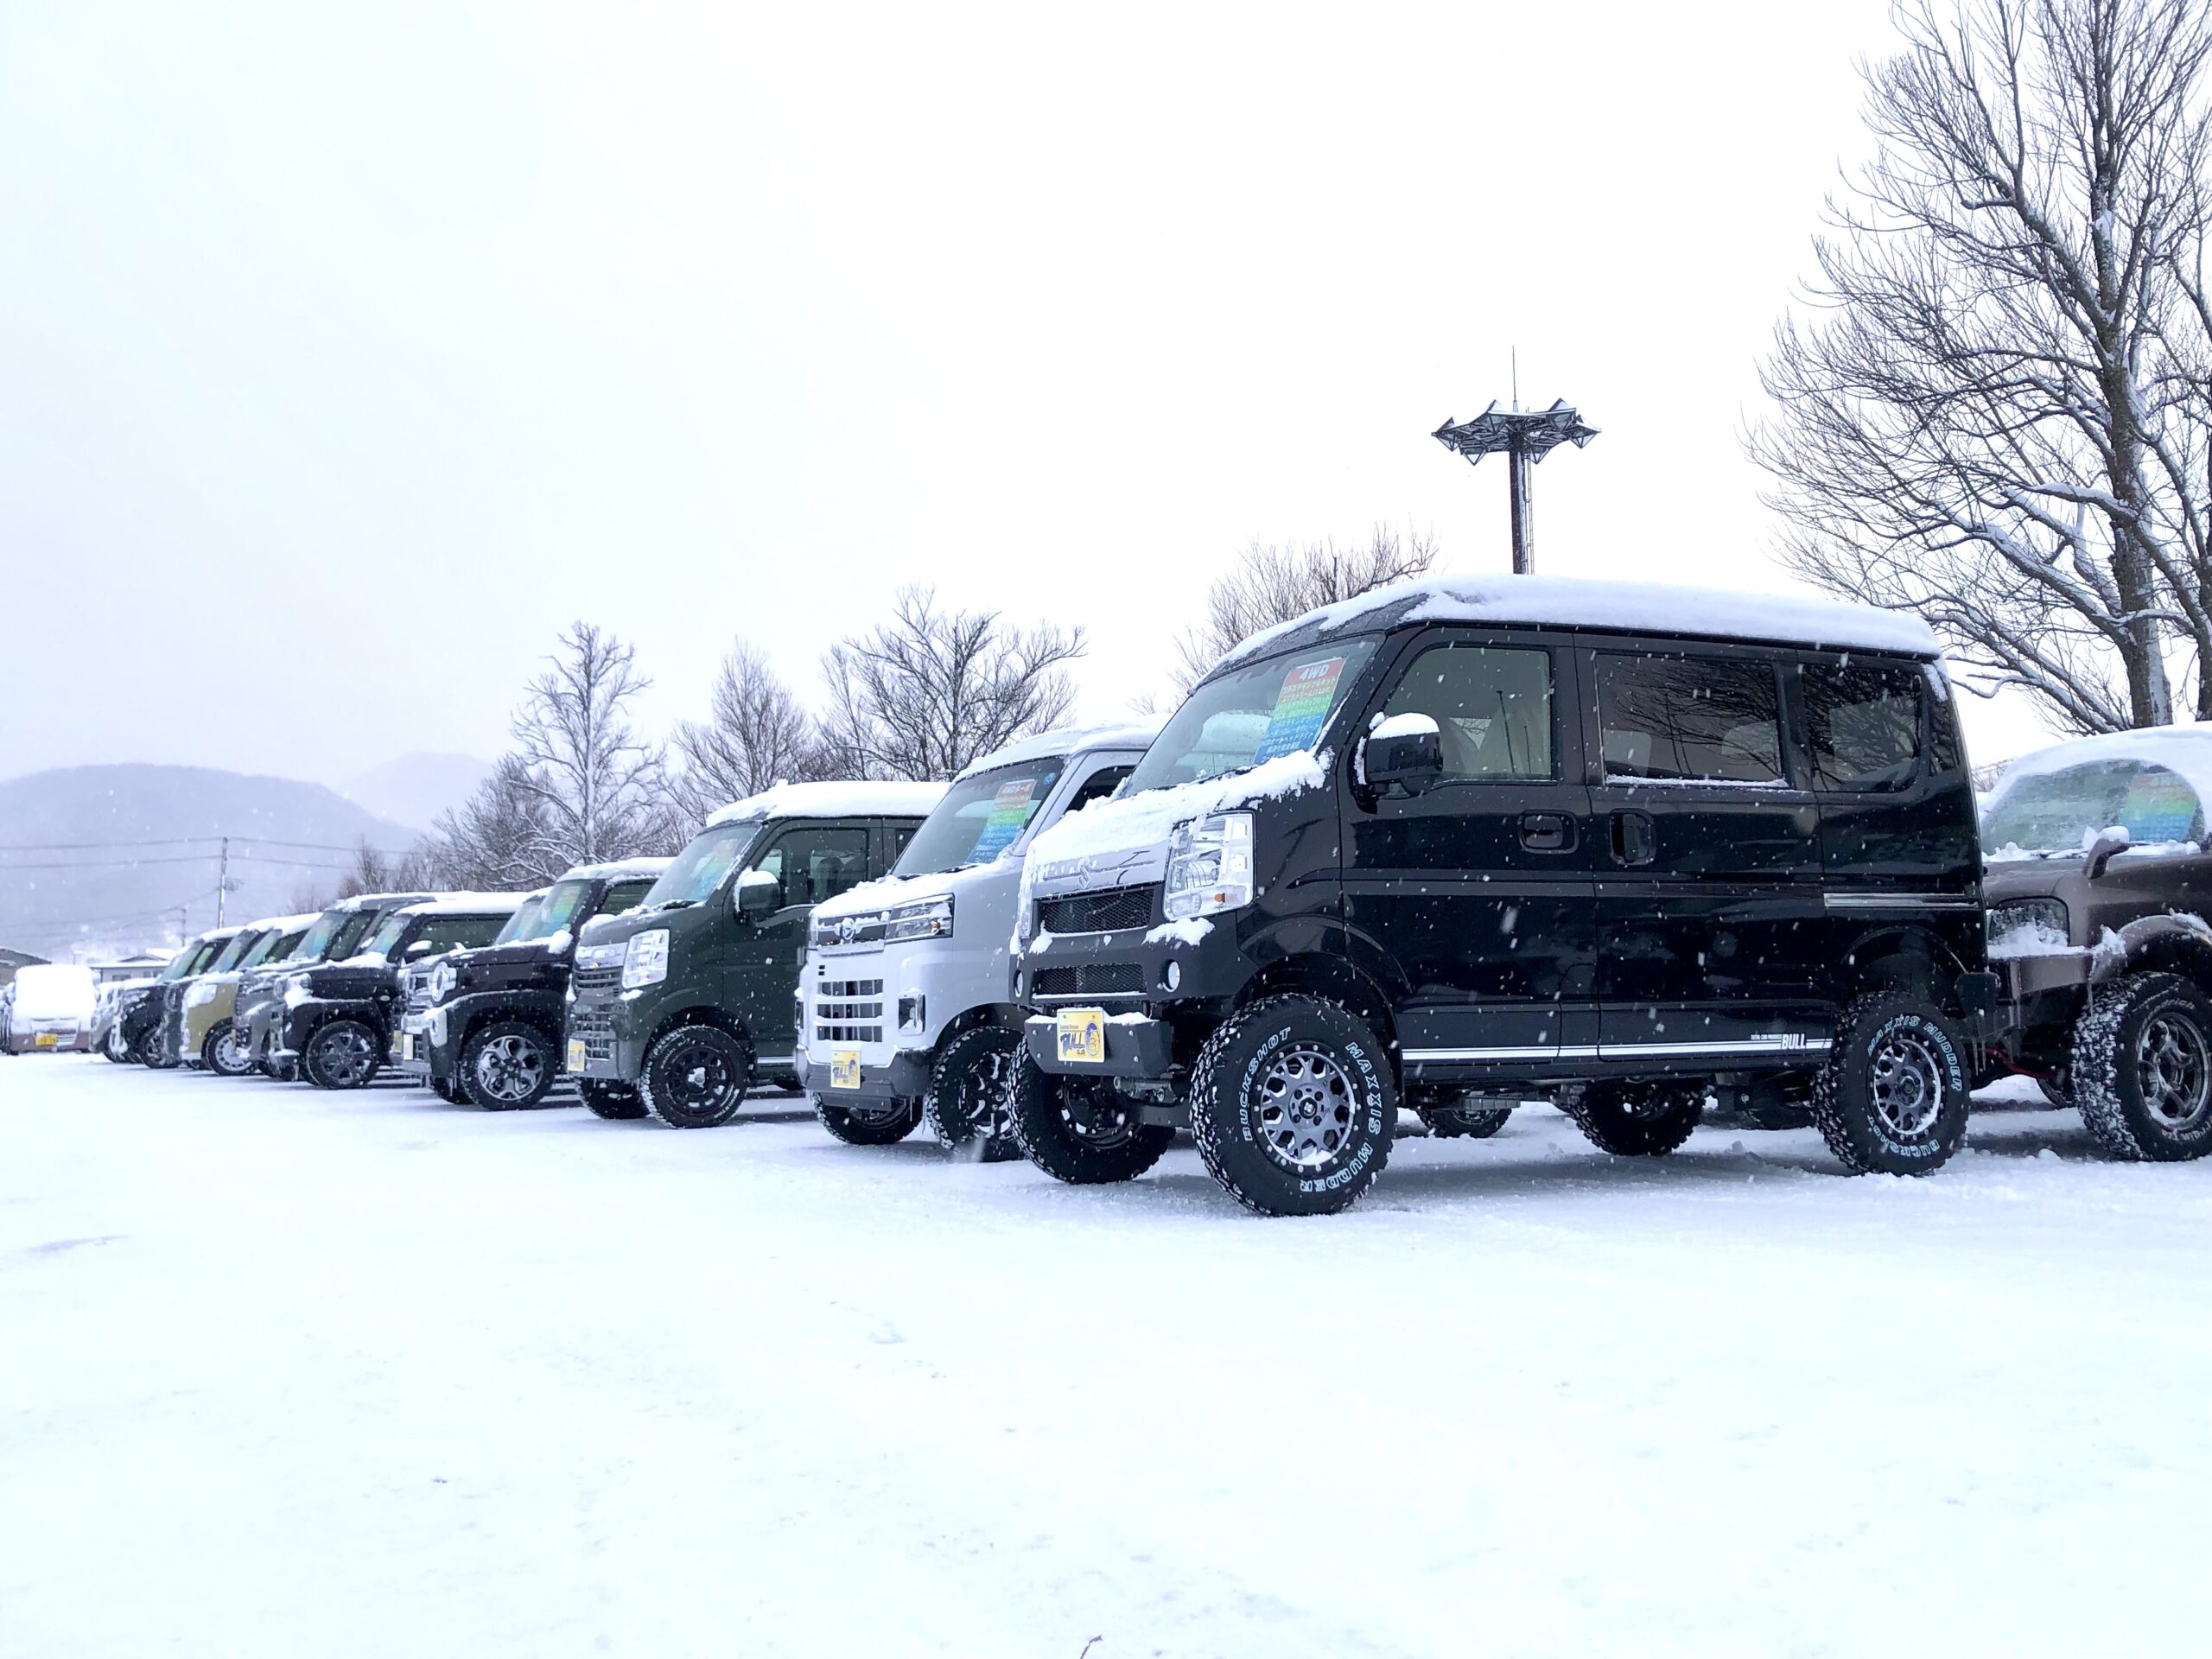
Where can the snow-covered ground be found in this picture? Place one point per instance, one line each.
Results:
(284, 1373)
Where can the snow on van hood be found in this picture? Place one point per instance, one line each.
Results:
(1105, 832)
(1070, 740)
(888, 890)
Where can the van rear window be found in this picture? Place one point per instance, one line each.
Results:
(1865, 724)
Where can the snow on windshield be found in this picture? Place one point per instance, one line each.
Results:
(1250, 715)
(980, 817)
(2058, 800)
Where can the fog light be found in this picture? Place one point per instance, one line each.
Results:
(913, 1013)
(1173, 978)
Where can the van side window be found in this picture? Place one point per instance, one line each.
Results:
(1865, 721)
(1096, 787)
(1492, 706)
(1702, 719)
(814, 863)
(624, 895)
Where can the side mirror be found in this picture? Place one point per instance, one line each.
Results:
(2108, 845)
(1406, 750)
(759, 893)
(420, 948)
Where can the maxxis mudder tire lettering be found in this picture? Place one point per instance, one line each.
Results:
(1892, 1098)
(1078, 1130)
(965, 1107)
(612, 1101)
(506, 1065)
(695, 1076)
(2142, 1056)
(1293, 1106)
(1637, 1120)
(857, 1127)
(342, 1053)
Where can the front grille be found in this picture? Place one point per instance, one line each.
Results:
(1091, 979)
(1096, 913)
(595, 1032)
(848, 1011)
(595, 981)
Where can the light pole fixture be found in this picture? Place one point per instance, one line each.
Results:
(1524, 437)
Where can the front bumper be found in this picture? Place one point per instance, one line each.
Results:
(1136, 1045)
(603, 1039)
(904, 1076)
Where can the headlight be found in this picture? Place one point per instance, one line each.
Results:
(2020, 927)
(645, 962)
(299, 982)
(925, 918)
(1210, 866)
(442, 979)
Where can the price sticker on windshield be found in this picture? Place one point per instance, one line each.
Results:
(1082, 1034)
(1302, 704)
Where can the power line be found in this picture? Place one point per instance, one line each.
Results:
(190, 840)
(186, 858)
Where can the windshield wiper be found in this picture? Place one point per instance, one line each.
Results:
(676, 904)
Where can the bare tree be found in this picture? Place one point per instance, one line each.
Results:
(931, 690)
(2001, 421)
(375, 870)
(502, 837)
(1270, 584)
(756, 734)
(597, 785)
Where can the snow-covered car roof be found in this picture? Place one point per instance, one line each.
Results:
(615, 869)
(225, 932)
(365, 901)
(833, 800)
(2184, 749)
(53, 990)
(286, 924)
(468, 904)
(1621, 607)
(1069, 739)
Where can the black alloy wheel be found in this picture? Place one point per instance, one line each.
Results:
(616, 1102)
(1080, 1130)
(695, 1076)
(1637, 1120)
(506, 1066)
(966, 1105)
(344, 1053)
(1892, 1099)
(880, 1124)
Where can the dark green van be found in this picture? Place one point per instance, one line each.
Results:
(678, 1006)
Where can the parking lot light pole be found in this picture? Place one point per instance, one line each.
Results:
(1523, 437)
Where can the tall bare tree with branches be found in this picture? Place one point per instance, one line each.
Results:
(755, 734)
(597, 785)
(501, 838)
(1270, 584)
(932, 690)
(2000, 420)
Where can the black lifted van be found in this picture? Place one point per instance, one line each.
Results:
(1466, 843)
(489, 1032)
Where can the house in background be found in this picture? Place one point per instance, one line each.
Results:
(11, 960)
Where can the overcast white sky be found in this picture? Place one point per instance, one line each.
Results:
(350, 352)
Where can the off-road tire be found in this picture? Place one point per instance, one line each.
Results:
(1080, 1130)
(154, 1050)
(342, 1040)
(1293, 1106)
(616, 1102)
(695, 1076)
(1637, 1120)
(880, 1126)
(965, 1107)
(517, 1040)
(224, 1052)
(2142, 1069)
(1450, 1120)
(1893, 1046)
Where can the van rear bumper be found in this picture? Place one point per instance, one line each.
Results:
(1135, 1048)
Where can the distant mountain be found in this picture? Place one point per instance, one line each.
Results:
(115, 856)
(416, 788)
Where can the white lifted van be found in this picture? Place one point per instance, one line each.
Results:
(906, 1004)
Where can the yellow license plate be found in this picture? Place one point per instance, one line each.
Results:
(45, 1039)
(406, 1045)
(1082, 1035)
(844, 1068)
(575, 1053)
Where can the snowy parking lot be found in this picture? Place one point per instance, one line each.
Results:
(292, 1373)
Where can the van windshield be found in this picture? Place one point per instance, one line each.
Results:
(700, 867)
(319, 936)
(2064, 811)
(1267, 708)
(980, 817)
(523, 924)
(234, 952)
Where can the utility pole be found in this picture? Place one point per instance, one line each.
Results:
(1524, 439)
(222, 881)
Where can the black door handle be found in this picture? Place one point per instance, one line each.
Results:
(1632, 838)
(1547, 832)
